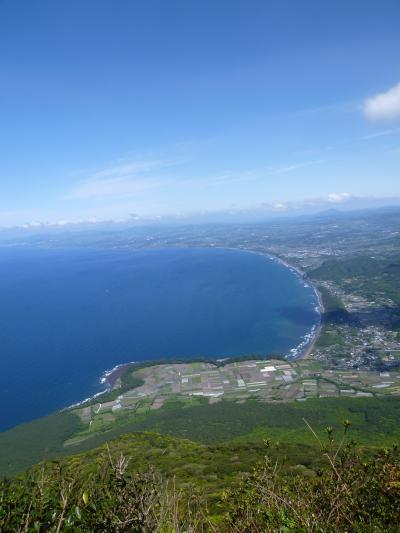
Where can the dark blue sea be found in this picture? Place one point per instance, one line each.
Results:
(67, 315)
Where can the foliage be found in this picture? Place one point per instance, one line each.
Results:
(367, 276)
(104, 491)
(375, 422)
(351, 494)
(128, 382)
(24, 445)
(112, 500)
(337, 269)
(334, 310)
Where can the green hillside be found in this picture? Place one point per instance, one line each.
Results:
(364, 275)
(147, 482)
(231, 466)
(375, 422)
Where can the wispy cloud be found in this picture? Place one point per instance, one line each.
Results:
(337, 108)
(127, 178)
(257, 174)
(126, 169)
(284, 169)
(378, 134)
(112, 187)
(383, 106)
(394, 151)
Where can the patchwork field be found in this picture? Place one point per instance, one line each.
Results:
(201, 382)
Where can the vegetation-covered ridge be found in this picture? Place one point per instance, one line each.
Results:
(152, 483)
(361, 323)
(186, 400)
(376, 422)
(149, 386)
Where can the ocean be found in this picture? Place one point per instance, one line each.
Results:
(68, 315)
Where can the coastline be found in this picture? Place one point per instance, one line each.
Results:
(305, 350)
(110, 377)
(302, 350)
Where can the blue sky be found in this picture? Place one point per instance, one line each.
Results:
(110, 108)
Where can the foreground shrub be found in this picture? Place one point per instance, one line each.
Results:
(351, 494)
(111, 500)
(354, 492)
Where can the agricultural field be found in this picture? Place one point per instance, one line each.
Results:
(201, 383)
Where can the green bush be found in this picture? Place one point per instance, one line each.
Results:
(102, 492)
(350, 494)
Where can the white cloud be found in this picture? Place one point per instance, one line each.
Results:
(383, 106)
(338, 198)
(309, 203)
(280, 206)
